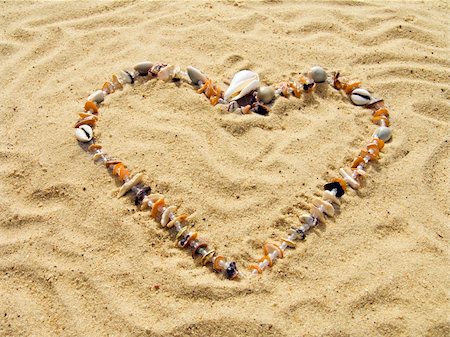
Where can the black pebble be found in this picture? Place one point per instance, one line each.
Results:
(335, 185)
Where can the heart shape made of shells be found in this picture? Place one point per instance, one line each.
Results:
(245, 95)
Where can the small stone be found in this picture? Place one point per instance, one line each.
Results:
(334, 185)
(97, 97)
(360, 97)
(266, 94)
(383, 132)
(143, 68)
(318, 74)
(84, 133)
(195, 75)
(126, 77)
(231, 270)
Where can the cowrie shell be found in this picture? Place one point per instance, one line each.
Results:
(84, 133)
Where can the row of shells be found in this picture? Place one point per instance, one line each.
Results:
(245, 94)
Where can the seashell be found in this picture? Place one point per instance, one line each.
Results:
(156, 206)
(195, 75)
(306, 218)
(328, 208)
(97, 97)
(208, 256)
(383, 132)
(380, 120)
(243, 83)
(381, 112)
(90, 106)
(167, 73)
(358, 160)
(289, 243)
(269, 248)
(266, 94)
(360, 97)
(350, 86)
(318, 74)
(180, 219)
(143, 67)
(136, 179)
(218, 262)
(166, 215)
(361, 172)
(348, 178)
(89, 120)
(94, 147)
(330, 197)
(316, 213)
(126, 77)
(84, 133)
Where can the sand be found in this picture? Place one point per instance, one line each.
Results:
(75, 260)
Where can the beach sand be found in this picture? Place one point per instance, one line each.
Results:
(75, 260)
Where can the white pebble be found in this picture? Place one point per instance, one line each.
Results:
(318, 74)
(143, 67)
(383, 132)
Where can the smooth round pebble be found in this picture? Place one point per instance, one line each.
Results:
(84, 133)
(360, 97)
(97, 97)
(383, 132)
(196, 75)
(143, 67)
(266, 94)
(318, 74)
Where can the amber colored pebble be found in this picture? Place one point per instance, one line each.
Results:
(255, 267)
(116, 82)
(358, 160)
(381, 112)
(216, 264)
(266, 257)
(269, 247)
(158, 203)
(214, 100)
(94, 147)
(350, 86)
(378, 119)
(91, 106)
(342, 182)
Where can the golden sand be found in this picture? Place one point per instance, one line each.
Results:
(75, 260)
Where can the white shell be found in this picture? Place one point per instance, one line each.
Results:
(195, 75)
(360, 97)
(330, 197)
(84, 133)
(266, 94)
(143, 67)
(167, 73)
(328, 208)
(126, 77)
(166, 215)
(348, 178)
(315, 212)
(97, 97)
(242, 84)
(136, 179)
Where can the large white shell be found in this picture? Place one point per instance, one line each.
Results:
(360, 96)
(84, 133)
(242, 84)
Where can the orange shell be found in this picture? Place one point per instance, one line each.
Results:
(266, 257)
(116, 82)
(364, 153)
(214, 100)
(90, 120)
(107, 87)
(374, 148)
(94, 147)
(270, 247)
(124, 173)
(112, 162)
(156, 205)
(381, 112)
(342, 182)
(255, 267)
(378, 119)
(380, 143)
(91, 106)
(290, 243)
(216, 263)
(350, 86)
(117, 167)
(246, 109)
(87, 114)
(358, 160)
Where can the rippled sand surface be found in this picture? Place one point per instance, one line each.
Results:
(75, 260)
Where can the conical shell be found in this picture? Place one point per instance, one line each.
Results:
(242, 84)
(195, 75)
